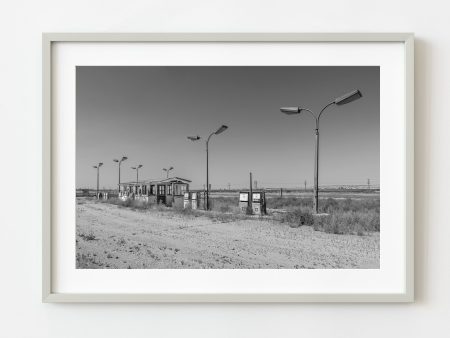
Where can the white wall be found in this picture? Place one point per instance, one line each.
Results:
(22, 313)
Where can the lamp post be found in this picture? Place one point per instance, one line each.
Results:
(124, 158)
(137, 172)
(98, 174)
(347, 98)
(167, 171)
(196, 138)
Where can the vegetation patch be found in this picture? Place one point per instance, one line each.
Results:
(88, 237)
(348, 222)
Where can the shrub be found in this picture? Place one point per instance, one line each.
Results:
(129, 203)
(88, 237)
(225, 208)
(348, 222)
(298, 217)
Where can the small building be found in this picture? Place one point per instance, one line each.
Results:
(169, 191)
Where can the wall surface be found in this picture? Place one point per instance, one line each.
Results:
(23, 314)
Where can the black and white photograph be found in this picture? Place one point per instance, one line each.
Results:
(227, 167)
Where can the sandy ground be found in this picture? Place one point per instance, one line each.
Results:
(112, 237)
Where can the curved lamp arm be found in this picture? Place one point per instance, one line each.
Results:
(207, 140)
(323, 109)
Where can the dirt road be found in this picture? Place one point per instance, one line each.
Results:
(112, 237)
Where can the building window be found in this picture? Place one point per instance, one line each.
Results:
(169, 189)
(161, 189)
(180, 189)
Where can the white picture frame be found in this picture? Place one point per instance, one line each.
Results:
(49, 203)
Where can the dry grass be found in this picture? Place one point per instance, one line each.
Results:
(348, 216)
(87, 261)
(349, 222)
(297, 217)
(88, 237)
(345, 216)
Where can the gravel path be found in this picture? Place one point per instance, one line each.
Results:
(112, 237)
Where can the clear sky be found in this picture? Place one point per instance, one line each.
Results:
(146, 113)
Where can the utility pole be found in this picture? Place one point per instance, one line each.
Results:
(368, 183)
(305, 185)
(250, 198)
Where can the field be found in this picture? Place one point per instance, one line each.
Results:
(120, 235)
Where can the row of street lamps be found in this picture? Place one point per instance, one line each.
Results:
(347, 98)
(124, 158)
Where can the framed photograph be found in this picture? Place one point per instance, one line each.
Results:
(228, 167)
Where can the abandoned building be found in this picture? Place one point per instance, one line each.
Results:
(169, 191)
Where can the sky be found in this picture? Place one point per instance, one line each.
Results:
(146, 114)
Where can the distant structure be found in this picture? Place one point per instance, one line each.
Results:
(368, 183)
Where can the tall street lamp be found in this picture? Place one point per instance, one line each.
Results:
(347, 98)
(167, 171)
(137, 172)
(98, 174)
(124, 158)
(196, 138)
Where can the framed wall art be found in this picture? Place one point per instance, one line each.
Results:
(228, 167)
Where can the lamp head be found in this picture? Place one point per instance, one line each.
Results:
(221, 129)
(94, 166)
(194, 138)
(133, 168)
(115, 160)
(290, 110)
(124, 158)
(349, 97)
(100, 164)
(170, 168)
(140, 166)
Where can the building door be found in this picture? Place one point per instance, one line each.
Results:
(161, 196)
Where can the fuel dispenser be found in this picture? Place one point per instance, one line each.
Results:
(243, 201)
(186, 200)
(258, 202)
(194, 204)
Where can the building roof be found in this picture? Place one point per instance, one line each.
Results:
(158, 181)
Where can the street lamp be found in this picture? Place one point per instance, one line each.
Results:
(167, 171)
(347, 98)
(196, 138)
(124, 158)
(137, 172)
(98, 174)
